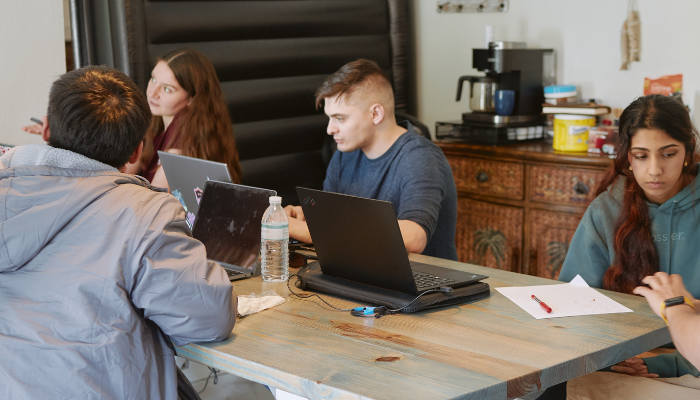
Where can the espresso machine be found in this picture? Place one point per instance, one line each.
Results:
(506, 66)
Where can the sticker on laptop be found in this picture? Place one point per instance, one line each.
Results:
(198, 194)
(189, 216)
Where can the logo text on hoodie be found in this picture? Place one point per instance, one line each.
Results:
(663, 237)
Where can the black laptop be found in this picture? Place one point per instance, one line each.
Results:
(359, 240)
(228, 223)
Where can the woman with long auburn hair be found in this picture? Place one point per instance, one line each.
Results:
(190, 116)
(644, 218)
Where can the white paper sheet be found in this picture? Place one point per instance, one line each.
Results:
(565, 300)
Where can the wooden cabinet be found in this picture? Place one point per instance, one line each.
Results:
(519, 205)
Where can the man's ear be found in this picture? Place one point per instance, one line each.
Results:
(377, 111)
(134, 158)
(137, 154)
(45, 132)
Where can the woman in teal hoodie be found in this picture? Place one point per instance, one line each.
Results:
(644, 218)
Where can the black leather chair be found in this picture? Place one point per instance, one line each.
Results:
(270, 57)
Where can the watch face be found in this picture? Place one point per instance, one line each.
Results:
(674, 301)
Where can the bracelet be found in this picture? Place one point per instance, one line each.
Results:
(663, 308)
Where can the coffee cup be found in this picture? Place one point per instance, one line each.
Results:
(504, 102)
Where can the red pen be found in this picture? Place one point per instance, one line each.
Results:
(541, 303)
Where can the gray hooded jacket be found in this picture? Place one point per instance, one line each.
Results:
(95, 268)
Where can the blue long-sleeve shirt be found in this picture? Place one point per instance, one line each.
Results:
(414, 176)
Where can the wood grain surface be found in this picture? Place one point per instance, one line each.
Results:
(489, 349)
(531, 151)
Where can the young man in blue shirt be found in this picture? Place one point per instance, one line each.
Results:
(381, 159)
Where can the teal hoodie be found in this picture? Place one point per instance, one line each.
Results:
(675, 228)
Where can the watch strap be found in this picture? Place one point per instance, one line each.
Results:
(674, 302)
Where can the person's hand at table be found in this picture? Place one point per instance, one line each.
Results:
(683, 320)
(662, 286)
(295, 212)
(34, 128)
(298, 229)
(38, 129)
(634, 366)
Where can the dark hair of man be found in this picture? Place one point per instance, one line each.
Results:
(635, 253)
(351, 77)
(204, 127)
(97, 111)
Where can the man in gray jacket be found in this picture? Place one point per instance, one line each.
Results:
(98, 271)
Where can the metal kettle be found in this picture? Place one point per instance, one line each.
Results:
(482, 92)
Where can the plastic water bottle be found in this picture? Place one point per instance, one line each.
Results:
(274, 240)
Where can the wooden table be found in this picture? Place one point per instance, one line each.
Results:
(490, 349)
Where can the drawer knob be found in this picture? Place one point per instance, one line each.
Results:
(482, 177)
(581, 188)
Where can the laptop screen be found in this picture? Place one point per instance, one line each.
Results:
(228, 222)
(187, 176)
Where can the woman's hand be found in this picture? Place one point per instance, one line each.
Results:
(35, 129)
(39, 129)
(662, 286)
(634, 366)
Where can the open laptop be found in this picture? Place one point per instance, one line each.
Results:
(228, 223)
(359, 240)
(187, 176)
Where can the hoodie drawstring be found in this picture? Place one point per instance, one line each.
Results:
(670, 235)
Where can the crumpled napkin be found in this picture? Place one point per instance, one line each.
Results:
(253, 303)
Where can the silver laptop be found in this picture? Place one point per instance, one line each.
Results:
(229, 222)
(187, 176)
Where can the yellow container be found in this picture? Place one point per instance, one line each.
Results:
(571, 132)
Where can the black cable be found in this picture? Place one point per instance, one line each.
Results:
(311, 295)
(418, 297)
(216, 379)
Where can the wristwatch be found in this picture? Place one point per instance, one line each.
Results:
(674, 301)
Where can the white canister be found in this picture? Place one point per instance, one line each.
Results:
(560, 94)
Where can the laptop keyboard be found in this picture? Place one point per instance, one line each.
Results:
(429, 280)
(231, 273)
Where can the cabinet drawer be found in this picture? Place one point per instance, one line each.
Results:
(550, 235)
(495, 178)
(489, 234)
(564, 186)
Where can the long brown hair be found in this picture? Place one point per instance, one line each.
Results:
(204, 127)
(635, 252)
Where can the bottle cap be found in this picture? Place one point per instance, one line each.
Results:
(275, 199)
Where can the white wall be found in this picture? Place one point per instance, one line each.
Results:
(32, 56)
(585, 35)
(586, 39)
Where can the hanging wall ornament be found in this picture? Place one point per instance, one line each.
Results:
(630, 36)
(633, 30)
(624, 47)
